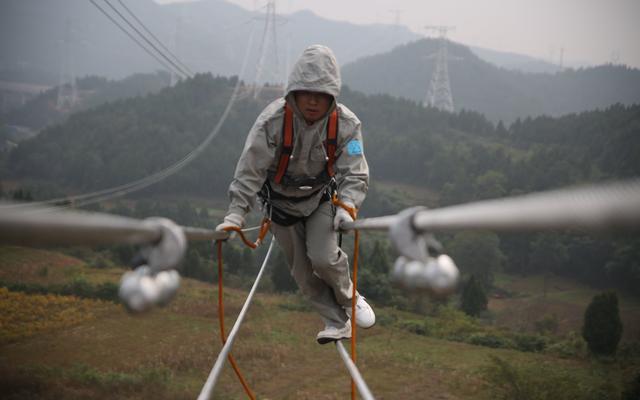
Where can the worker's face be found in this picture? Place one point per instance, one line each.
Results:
(312, 105)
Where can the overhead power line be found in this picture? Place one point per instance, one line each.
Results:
(176, 66)
(155, 37)
(103, 11)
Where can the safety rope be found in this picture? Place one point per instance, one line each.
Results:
(264, 228)
(354, 289)
(223, 337)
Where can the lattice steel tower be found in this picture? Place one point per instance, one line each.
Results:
(439, 92)
(268, 39)
(67, 91)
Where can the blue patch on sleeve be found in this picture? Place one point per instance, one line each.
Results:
(354, 147)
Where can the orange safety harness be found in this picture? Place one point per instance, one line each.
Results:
(287, 143)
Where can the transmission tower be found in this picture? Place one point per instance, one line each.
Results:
(439, 92)
(67, 91)
(268, 46)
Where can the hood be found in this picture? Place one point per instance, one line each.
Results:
(316, 70)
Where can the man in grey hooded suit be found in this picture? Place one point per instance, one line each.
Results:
(308, 237)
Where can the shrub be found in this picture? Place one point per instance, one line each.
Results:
(539, 382)
(414, 326)
(572, 346)
(489, 340)
(530, 343)
(452, 324)
(602, 327)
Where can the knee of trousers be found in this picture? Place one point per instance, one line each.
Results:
(327, 259)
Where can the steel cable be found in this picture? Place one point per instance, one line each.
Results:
(176, 66)
(183, 65)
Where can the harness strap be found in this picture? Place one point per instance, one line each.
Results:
(287, 143)
(332, 141)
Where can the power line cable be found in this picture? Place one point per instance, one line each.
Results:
(167, 67)
(155, 37)
(176, 66)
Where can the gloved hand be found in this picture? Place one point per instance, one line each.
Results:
(341, 216)
(230, 220)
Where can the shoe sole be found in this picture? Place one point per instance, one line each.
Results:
(325, 340)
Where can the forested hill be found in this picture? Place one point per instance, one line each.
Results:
(459, 156)
(498, 93)
(91, 91)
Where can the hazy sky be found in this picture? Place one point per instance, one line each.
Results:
(590, 31)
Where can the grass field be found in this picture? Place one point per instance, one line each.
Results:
(103, 352)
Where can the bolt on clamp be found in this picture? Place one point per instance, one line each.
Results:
(155, 281)
(416, 269)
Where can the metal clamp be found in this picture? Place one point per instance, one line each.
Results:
(156, 281)
(416, 269)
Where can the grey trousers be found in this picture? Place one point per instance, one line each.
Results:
(317, 264)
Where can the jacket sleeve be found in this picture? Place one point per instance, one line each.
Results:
(352, 171)
(251, 171)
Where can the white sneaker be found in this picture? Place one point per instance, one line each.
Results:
(332, 333)
(365, 317)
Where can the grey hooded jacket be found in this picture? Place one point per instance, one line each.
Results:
(316, 70)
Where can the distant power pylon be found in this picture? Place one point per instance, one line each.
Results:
(67, 90)
(439, 92)
(268, 46)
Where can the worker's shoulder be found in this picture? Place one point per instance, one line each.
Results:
(273, 111)
(347, 116)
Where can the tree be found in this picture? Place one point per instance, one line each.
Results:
(602, 327)
(474, 298)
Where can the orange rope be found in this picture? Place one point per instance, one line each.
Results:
(352, 212)
(223, 336)
(264, 228)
